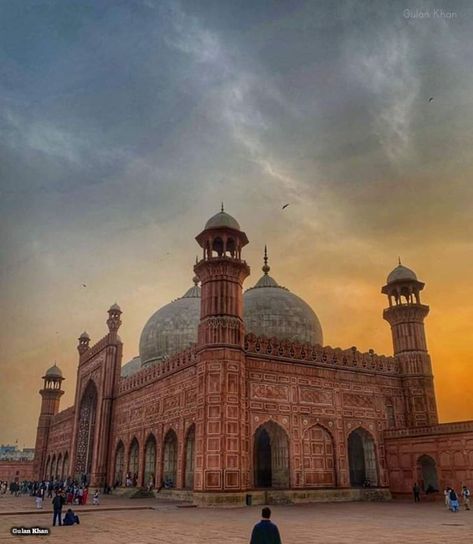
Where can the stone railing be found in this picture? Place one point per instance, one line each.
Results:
(95, 349)
(159, 370)
(321, 356)
(440, 428)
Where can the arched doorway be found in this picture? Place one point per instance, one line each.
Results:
(427, 474)
(150, 461)
(53, 468)
(189, 459)
(48, 468)
(65, 465)
(133, 461)
(59, 467)
(170, 459)
(119, 464)
(271, 456)
(86, 433)
(362, 459)
(318, 459)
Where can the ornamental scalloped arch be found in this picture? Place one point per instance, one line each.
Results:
(86, 431)
(271, 456)
(189, 457)
(118, 463)
(318, 457)
(149, 460)
(169, 458)
(362, 458)
(133, 463)
(427, 474)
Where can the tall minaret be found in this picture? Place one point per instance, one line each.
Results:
(221, 426)
(406, 316)
(51, 395)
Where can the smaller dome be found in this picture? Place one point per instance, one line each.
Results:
(401, 273)
(131, 367)
(54, 372)
(222, 219)
(85, 336)
(115, 307)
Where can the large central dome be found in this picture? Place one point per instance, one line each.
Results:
(272, 310)
(269, 310)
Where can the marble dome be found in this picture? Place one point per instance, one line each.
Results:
(269, 310)
(54, 372)
(272, 310)
(222, 219)
(172, 328)
(401, 273)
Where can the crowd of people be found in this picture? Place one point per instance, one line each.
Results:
(61, 492)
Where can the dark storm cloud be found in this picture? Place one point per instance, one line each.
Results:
(123, 124)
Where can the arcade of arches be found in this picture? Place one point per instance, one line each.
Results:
(271, 459)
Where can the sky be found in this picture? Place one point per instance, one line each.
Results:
(124, 124)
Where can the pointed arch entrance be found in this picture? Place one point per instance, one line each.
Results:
(170, 459)
(133, 461)
(271, 456)
(318, 458)
(189, 459)
(86, 433)
(65, 466)
(362, 458)
(150, 461)
(427, 473)
(119, 464)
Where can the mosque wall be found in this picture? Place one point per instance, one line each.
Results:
(437, 456)
(150, 407)
(11, 471)
(319, 402)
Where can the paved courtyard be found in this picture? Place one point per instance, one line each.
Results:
(144, 521)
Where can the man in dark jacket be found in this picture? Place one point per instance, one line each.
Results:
(265, 532)
(58, 501)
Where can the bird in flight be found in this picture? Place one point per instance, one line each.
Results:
(285, 206)
(431, 99)
(84, 285)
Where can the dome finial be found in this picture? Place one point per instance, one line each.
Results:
(266, 267)
(195, 279)
(222, 210)
(399, 261)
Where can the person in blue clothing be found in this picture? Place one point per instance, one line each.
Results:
(265, 532)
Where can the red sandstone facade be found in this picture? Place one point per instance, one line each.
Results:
(236, 412)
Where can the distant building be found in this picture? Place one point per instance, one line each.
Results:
(12, 453)
(234, 394)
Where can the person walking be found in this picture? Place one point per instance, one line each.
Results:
(454, 505)
(57, 508)
(416, 492)
(466, 497)
(446, 494)
(265, 532)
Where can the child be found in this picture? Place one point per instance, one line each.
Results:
(95, 498)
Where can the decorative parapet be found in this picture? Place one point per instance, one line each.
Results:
(66, 414)
(440, 428)
(321, 356)
(95, 349)
(169, 366)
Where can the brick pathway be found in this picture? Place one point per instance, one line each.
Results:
(336, 523)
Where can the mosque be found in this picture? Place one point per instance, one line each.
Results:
(234, 395)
